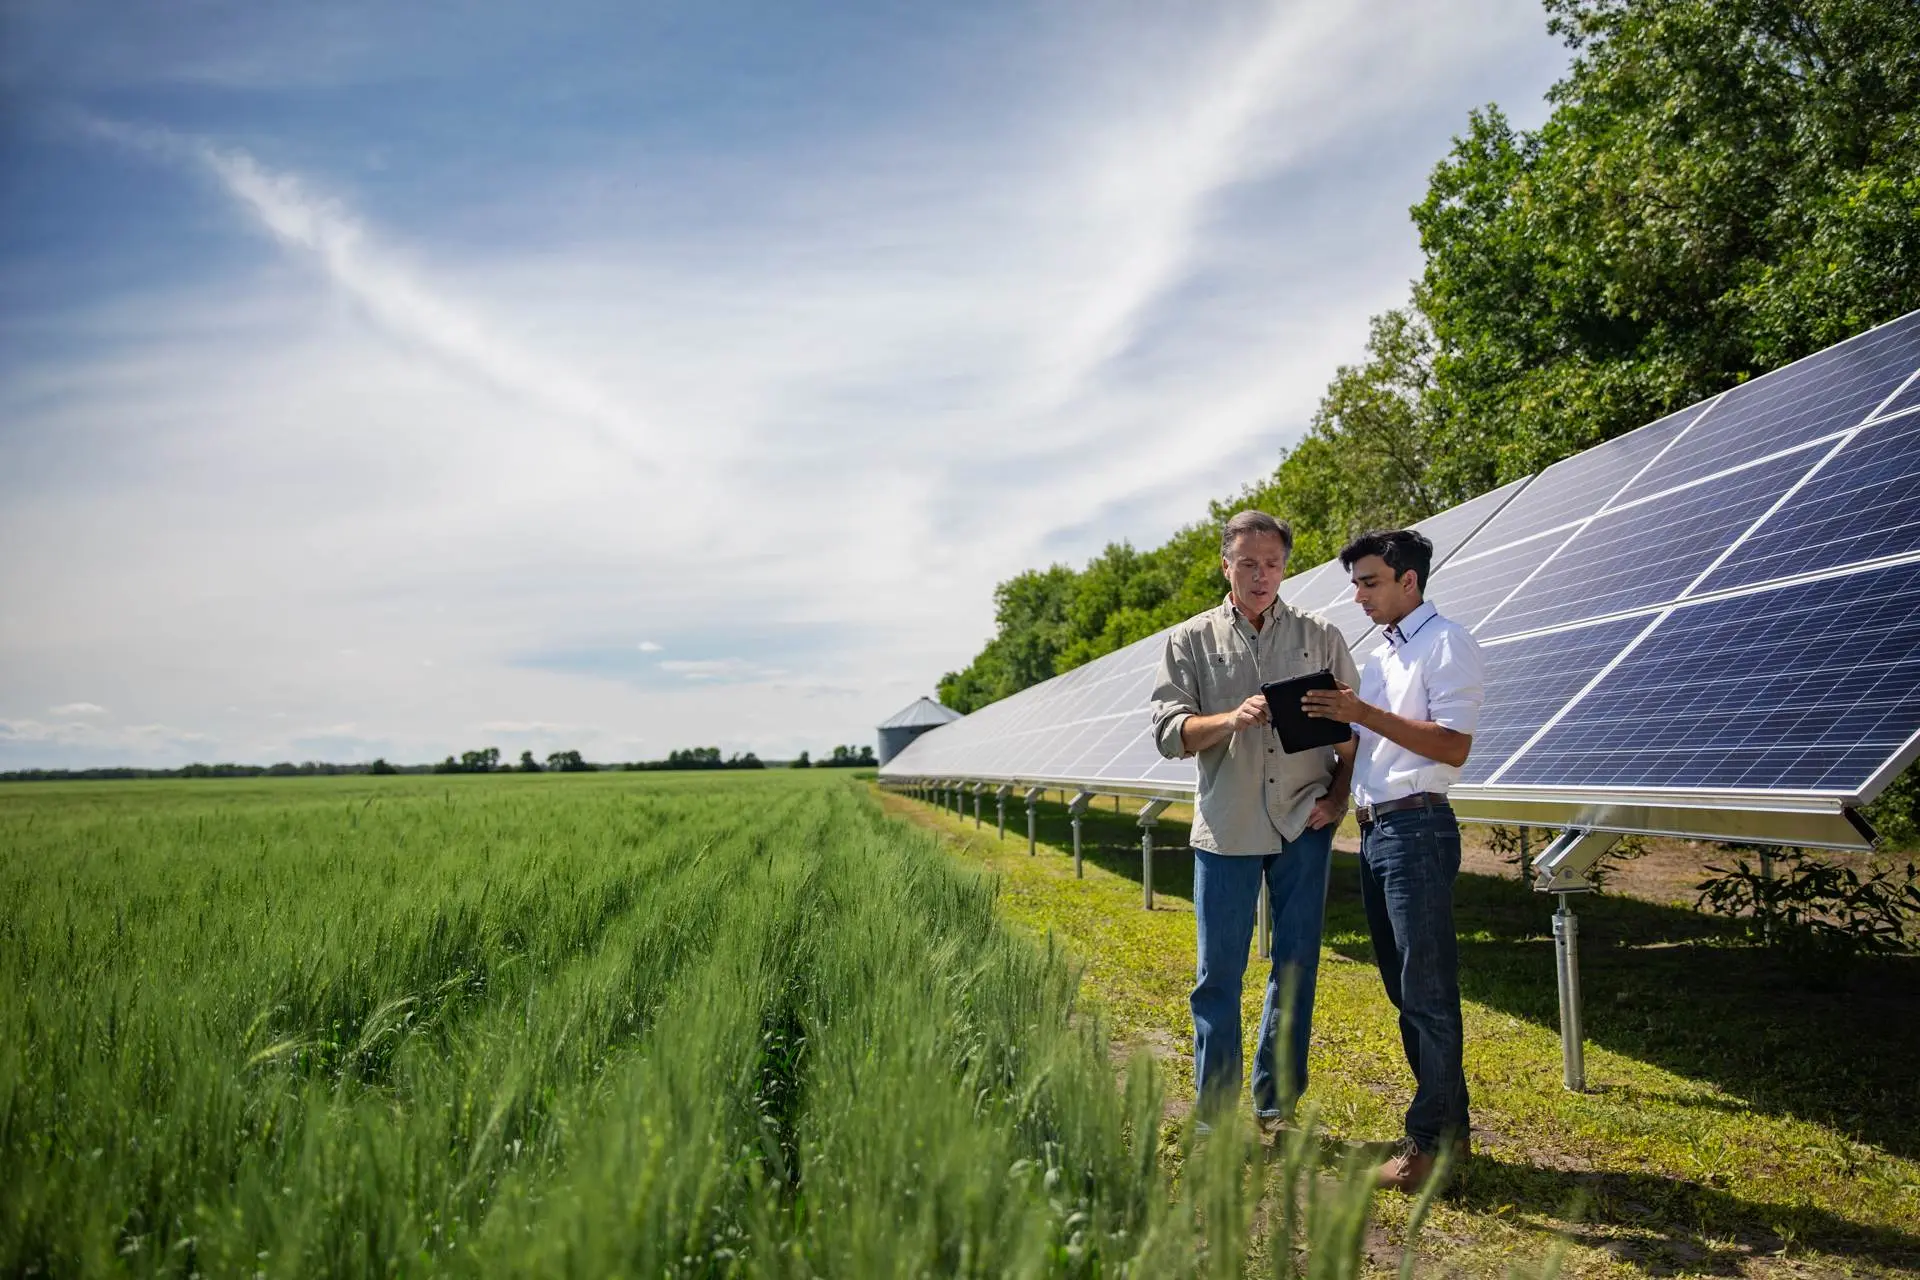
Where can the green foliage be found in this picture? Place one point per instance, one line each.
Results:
(690, 1025)
(1821, 914)
(1895, 815)
(1720, 189)
(380, 766)
(801, 761)
(568, 762)
(844, 757)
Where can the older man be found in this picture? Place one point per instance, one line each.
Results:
(1261, 814)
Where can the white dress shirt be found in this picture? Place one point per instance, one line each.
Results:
(1427, 668)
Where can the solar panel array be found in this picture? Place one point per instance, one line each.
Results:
(1724, 602)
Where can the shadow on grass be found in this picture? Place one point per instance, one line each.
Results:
(1664, 985)
(1663, 1226)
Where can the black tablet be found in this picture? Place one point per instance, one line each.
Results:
(1299, 731)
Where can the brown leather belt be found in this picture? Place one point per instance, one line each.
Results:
(1368, 814)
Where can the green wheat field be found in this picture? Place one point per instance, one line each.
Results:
(676, 1025)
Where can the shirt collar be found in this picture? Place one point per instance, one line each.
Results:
(1234, 614)
(1399, 633)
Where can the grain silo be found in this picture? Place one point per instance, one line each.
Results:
(902, 727)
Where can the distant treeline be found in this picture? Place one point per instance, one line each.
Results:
(486, 760)
(285, 769)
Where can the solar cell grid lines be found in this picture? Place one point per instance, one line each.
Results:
(1908, 397)
(1648, 552)
(1827, 392)
(1864, 504)
(1530, 679)
(1467, 590)
(1805, 687)
(1576, 487)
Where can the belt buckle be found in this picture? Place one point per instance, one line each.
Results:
(1364, 815)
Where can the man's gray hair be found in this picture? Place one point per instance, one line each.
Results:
(1254, 522)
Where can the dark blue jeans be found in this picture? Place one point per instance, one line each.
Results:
(1226, 894)
(1408, 861)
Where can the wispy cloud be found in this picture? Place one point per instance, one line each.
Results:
(876, 355)
(79, 709)
(322, 230)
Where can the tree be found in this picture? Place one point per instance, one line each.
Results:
(380, 765)
(568, 762)
(528, 764)
(801, 762)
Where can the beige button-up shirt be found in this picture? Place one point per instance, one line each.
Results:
(1253, 796)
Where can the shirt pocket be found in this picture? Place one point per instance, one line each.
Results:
(1227, 680)
(1289, 661)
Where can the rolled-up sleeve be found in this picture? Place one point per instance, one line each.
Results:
(1176, 695)
(1456, 679)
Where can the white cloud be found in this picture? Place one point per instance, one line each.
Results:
(79, 709)
(860, 391)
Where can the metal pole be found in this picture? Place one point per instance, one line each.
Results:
(976, 806)
(1077, 872)
(1766, 911)
(1566, 952)
(1003, 815)
(1031, 847)
(1264, 914)
(1146, 867)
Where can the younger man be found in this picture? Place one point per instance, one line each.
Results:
(1417, 707)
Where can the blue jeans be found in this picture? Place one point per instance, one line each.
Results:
(1408, 861)
(1226, 893)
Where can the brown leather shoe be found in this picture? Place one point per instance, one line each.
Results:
(1408, 1168)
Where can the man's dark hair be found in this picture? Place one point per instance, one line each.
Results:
(1255, 522)
(1402, 549)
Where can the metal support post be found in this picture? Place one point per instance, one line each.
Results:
(1561, 870)
(1076, 807)
(1006, 789)
(1149, 812)
(1033, 798)
(1566, 954)
(1766, 877)
(1263, 915)
(978, 787)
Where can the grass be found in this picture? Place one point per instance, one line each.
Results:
(696, 1025)
(1735, 1125)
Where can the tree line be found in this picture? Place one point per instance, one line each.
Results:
(1722, 187)
(483, 760)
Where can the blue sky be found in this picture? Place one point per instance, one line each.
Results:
(397, 380)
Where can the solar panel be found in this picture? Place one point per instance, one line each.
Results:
(1529, 680)
(1648, 552)
(1863, 504)
(1908, 397)
(1829, 391)
(1576, 487)
(1717, 607)
(1805, 687)
(1469, 589)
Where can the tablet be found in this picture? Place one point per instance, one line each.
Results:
(1299, 731)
